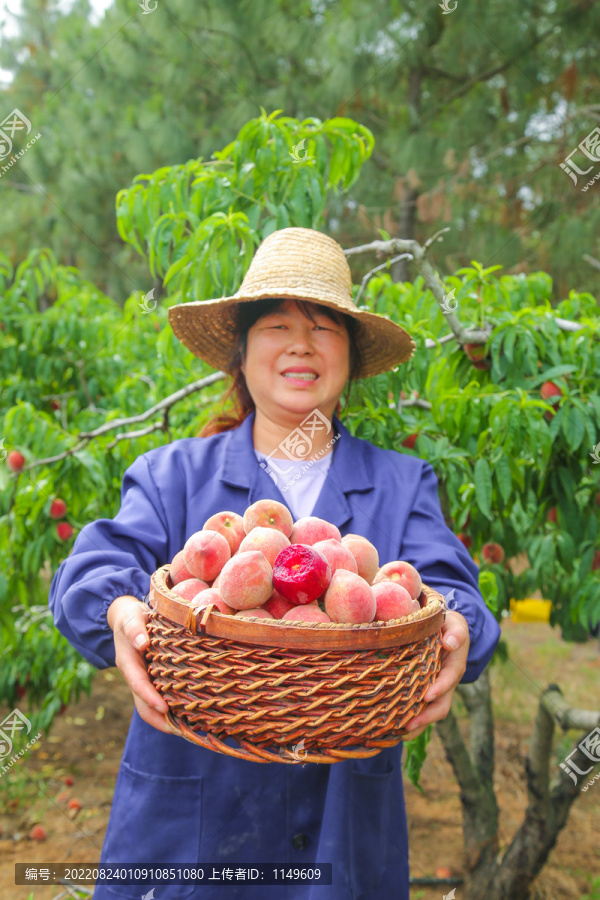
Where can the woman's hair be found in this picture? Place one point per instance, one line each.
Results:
(247, 314)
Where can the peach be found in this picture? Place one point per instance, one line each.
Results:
(393, 601)
(310, 529)
(301, 574)
(402, 573)
(268, 540)
(365, 553)
(349, 598)
(205, 553)
(211, 595)
(215, 583)
(268, 514)
(308, 613)
(178, 569)
(230, 525)
(260, 612)
(338, 556)
(189, 588)
(492, 553)
(246, 580)
(277, 605)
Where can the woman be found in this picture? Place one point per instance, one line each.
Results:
(291, 337)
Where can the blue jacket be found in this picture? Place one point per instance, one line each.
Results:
(175, 802)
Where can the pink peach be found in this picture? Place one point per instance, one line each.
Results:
(349, 598)
(189, 588)
(393, 601)
(277, 605)
(310, 529)
(338, 556)
(260, 612)
(246, 580)
(211, 595)
(402, 573)
(205, 553)
(268, 514)
(365, 553)
(268, 540)
(230, 525)
(308, 613)
(178, 569)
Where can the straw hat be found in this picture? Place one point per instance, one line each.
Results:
(297, 264)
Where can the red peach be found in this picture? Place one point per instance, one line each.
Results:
(188, 589)
(365, 553)
(349, 599)
(277, 605)
(310, 612)
(465, 539)
(58, 508)
(246, 580)
(402, 573)
(212, 595)
(492, 553)
(268, 514)
(268, 540)
(548, 390)
(393, 601)
(338, 556)
(551, 517)
(311, 529)
(301, 574)
(205, 553)
(178, 570)
(64, 531)
(475, 352)
(260, 612)
(230, 525)
(215, 584)
(74, 803)
(38, 833)
(69, 780)
(410, 441)
(15, 461)
(596, 560)
(443, 872)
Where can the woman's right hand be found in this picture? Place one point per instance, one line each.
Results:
(127, 619)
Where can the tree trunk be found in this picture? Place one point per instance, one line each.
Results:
(509, 877)
(399, 270)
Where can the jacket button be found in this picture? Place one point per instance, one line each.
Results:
(300, 841)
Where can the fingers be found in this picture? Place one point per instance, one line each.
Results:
(151, 716)
(455, 641)
(129, 631)
(433, 712)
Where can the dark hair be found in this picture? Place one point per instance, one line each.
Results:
(247, 314)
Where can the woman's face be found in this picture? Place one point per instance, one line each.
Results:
(293, 365)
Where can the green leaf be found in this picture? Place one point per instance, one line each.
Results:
(415, 754)
(483, 487)
(503, 477)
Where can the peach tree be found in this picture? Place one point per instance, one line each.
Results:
(501, 398)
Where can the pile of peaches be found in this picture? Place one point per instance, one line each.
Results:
(265, 565)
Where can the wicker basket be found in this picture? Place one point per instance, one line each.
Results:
(311, 692)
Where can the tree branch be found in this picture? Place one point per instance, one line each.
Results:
(162, 406)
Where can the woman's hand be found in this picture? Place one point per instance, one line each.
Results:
(455, 644)
(127, 619)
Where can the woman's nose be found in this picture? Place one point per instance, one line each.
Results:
(300, 341)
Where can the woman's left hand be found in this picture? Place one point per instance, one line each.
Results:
(455, 648)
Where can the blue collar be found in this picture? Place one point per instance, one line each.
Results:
(348, 471)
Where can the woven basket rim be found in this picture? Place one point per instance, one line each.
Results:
(251, 627)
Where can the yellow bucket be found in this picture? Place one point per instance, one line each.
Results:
(530, 610)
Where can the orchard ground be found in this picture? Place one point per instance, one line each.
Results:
(87, 741)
